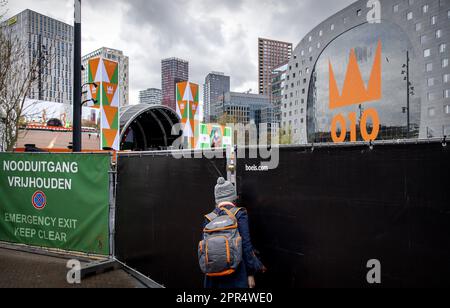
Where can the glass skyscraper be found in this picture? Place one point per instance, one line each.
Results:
(216, 85)
(40, 35)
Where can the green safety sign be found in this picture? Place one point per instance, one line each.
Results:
(56, 201)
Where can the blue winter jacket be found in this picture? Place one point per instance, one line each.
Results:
(250, 265)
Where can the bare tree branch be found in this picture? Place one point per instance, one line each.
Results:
(19, 73)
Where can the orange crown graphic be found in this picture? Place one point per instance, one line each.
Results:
(355, 91)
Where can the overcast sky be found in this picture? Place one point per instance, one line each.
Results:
(213, 35)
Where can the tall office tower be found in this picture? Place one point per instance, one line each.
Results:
(50, 40)
(173, 71)
(270, 55)
(150, 96)
(124, 76)
(216, 85)
(245, 108)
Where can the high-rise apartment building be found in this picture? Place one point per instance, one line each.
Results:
(150, 96)
(270, 55)
(216, 85)
(124, 75)
(173, 71)
(48, 39)
(278, 90)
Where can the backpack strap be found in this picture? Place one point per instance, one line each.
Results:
(235, 210)
(211, 216)
(232, 212)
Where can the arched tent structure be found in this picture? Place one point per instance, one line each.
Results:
(147, 128)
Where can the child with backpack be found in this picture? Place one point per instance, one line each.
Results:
(226, 254)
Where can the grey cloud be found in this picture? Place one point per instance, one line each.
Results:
(213, 35)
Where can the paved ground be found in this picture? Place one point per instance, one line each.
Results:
(25, 270)
(55, 140)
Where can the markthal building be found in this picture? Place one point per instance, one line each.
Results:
(377, 70)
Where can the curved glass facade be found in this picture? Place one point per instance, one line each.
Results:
(384, 114)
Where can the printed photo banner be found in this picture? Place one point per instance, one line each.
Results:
(213, 136)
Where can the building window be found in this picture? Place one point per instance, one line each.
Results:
(447, 93)
(409, 16)
(310, 38)
(438, 33)
(446, 78)
(320, 33)
(318, 45)
(302, 53)
(447, 109)
(395, 8)
(429, 67)
(345, 20)
(423, 39)
(425, 8)
(444, 63)
(432, 97)
(431, 112)
(427, 53)
(358, 13)
(433, 20)
(430, 82)
(442, 48)
(332, 26)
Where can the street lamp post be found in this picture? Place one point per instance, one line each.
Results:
(77, 79)
(85, 92)
(409, 93)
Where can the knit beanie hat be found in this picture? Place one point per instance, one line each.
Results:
(225, 191)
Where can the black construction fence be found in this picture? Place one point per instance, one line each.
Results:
(316, 220)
